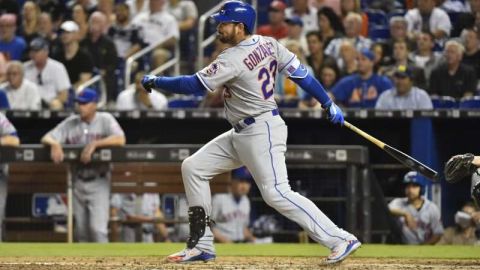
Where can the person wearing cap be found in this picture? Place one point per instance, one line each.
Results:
(78, 62)
(91, 181)
(231, 211)
(361, 89)
(11, 45)
(404, 96)
(49, 75)
(136, 98)
(295, 33)
(353, 27)
(276, 26)
(418, 217)
(22, 94)
(307, 13)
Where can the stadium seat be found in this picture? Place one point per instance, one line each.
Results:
(379, 33)
(470, 103)
(184, 102)
(444, 102)
(376, 17)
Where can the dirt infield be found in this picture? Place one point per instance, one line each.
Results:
(230, 263)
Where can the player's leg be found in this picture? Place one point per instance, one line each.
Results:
(262, 148)
(98, 208)
(80, 212)
(3, 201)
(214, 158)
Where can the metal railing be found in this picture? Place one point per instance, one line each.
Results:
(175, 61)
(103, 91)
(202, 43)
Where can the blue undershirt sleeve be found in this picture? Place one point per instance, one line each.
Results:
(312, 86)
(187, 85)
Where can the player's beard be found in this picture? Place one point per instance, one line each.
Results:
(227, 38)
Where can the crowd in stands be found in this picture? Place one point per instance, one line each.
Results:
(396, 54)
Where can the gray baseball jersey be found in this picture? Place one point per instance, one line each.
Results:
(6, 128)
(231, 217)
(427, 218)
(91, 181)
(247, 73)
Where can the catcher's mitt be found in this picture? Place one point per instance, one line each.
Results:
(459, 167)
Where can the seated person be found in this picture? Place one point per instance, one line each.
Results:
(463, 233)
(404, 95)
(418, 217)
(22, 94)
(231, 211)
(142, 211)
(136, 98)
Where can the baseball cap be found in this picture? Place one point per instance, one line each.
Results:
(277, 6)
(86, 96)
(403, 71)
(241, 174)
(295, 20)
(69, 26)
(368, 54)
(38, 43)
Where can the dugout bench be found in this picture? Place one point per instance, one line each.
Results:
(156, 168)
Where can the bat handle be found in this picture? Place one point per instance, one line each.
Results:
(364, 134)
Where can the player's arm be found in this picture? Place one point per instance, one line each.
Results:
(10, 140)
(112, 140)
(476, 161)
(219, 237)
(249, 237)
(187, 84)
(161, 228)
(311, 85)
(56, 150)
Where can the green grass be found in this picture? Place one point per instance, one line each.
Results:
(162, 249)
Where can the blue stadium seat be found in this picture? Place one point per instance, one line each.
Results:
(184, 102)
(376, 17)
(444, 102)
(470, 103)
(379, 33)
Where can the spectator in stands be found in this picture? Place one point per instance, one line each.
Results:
(78, 62)
(136, 98)
(103, 51)
(404, 96)
(231, 211)
(124, 34)
(424, 57)
(56, 9)
(352, 23)
(428, 18)
(347, 62)
(295, 33)
(45, 30)
(22, 94)
(3, 67)
(469, 19)
(418, 217)
(317, 58)
(349, 6)
(401, 58)
(50, 75)
(8, 137)
(329, 75)
(107, 8)
(471, 56)
(137, 7)
(308, 14)
(30, 21)
(276, 27)
(453, 78)
(186, 13)
(362, 89)
(88, 5)
(91, 181)
(80, 17)
(143, 211)
(398, 32)
(157, 24)
(11, 45)
(463, 233)
(329, 25)
(380, 59)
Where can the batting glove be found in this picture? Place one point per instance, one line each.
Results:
(334, 113)
(148, 82)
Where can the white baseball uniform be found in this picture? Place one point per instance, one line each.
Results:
(247, 74)
(231, 216)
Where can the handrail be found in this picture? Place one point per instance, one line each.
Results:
(172, 62)
(95, 79)
(202, 43)
(142, 52)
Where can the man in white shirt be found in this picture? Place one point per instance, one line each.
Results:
(427, 17)
(157, 24)
(139, 99)
(21, 93)
(307, 13)
(50, 75)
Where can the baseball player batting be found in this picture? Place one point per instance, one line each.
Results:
(246, 72)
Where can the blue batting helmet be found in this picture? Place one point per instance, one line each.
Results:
(414, 178)
(237, 12)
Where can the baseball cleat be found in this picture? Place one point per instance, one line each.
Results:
(341, 251)
(191, 255)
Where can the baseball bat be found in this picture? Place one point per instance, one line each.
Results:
(403, 158)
